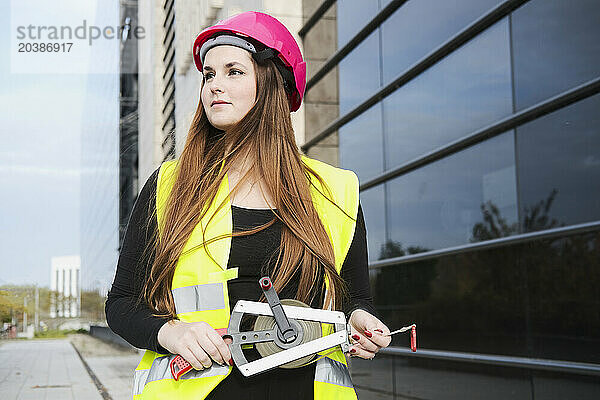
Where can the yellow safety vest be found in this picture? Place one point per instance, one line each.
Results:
(199, 287)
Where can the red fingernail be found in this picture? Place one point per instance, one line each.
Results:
(378, 330)
(355, 337)
(352, 350)
(231, 362)
(369, 334)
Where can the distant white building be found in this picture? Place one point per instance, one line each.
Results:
(66, 287)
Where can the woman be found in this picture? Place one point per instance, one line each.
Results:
(267, 210)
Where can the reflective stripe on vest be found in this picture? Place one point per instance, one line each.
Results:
(334, 372)
(200, 291)
(208, 296)
(160, 369)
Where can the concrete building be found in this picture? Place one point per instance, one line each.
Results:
(65, 284)
(128, 113)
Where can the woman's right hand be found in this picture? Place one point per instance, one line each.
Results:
(197, 342)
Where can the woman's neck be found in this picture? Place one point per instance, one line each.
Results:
(251, 193)
(242, 164)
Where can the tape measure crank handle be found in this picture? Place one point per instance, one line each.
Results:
(288, 332)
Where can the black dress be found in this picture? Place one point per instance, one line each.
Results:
(251, 255)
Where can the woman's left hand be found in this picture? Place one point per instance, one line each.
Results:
(368, 334)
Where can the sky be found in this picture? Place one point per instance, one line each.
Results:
(57, 109)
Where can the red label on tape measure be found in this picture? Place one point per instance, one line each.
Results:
(413, 338)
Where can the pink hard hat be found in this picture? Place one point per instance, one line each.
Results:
(271, 33)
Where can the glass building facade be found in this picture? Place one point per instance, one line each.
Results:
(474, 128)
(100, 154)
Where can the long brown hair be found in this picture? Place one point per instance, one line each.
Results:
(266, 134)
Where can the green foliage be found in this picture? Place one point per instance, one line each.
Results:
(57, 334)
(92, 305)
(12, 302)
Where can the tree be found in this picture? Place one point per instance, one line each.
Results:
(92, 305)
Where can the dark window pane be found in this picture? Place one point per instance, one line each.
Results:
(559, 167)
(373, 206)
(444, 380)
(373, 379)
(361, 144)
(352, 16)
(555, 46)
(467, 197)
(467, 90)
(418, 27)
(549, 385)
(537, 299)
(359, 73)
(473, 302)
(421, 378)
(563, 277)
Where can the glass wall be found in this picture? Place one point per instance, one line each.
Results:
(447, 203)
(530, 300)
(466, 90)
(559, 167)
(415, 30)
(363, 136)
(534, 299)
(555, 46)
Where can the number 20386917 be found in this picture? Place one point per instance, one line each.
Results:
(25, 47)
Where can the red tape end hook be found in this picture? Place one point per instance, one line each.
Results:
(413, 338)
(179, 366)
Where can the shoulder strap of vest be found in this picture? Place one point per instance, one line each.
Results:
(344, 187)
(166, 179)
(343, 183)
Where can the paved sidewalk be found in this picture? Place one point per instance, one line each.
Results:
(116, 374)
(43, 369)
(112, 365)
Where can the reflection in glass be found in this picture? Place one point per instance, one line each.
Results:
(556, 47)
(559, 167)
(361, 144)
(422, 378)
(444, 380)
(373, 206)
(360, 73)
(418, 27)
(467, 90)
(537, 299)
(471, 302)
(463, 198)
(563, 277)
(373, 379)
(99, 192)
(352, 16)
